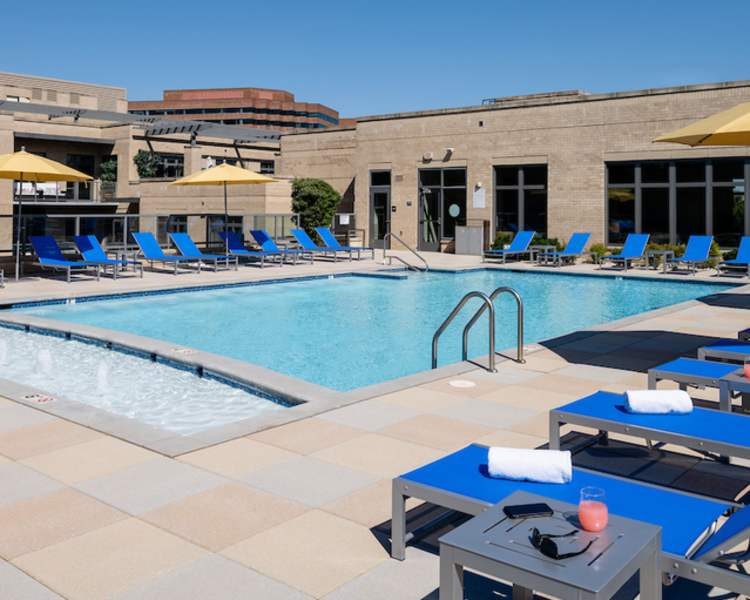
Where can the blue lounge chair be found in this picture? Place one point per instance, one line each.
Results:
(331, 242)
(704, 429)
(309, 245)
(267, 244)
(634, 248)
(187, 248)
(696, 253)
(575, 247)
(91, 251)
(153, 253)
(237, 248)
(51, 257)
(693, 372)
(518, 247)
(741, 261)
(728, 349)
(691, 547)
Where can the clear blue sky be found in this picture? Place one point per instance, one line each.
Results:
(373, 57)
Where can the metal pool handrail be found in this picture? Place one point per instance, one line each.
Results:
(409, 248)
(487, 304)
(519, 319)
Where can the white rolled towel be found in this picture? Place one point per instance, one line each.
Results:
(658, 402)
(519, 464)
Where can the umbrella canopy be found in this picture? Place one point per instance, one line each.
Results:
(224, 174)
(727, 128)
(24, 166)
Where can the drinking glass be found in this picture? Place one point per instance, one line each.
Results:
(592, 509)
(746, 368)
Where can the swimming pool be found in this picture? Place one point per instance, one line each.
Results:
(349, 332)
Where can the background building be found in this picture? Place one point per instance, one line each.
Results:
(556, 163)
(257, 107)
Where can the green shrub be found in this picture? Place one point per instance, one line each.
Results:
(316, 203)
(108, 169)
(597, 251)
(146, 163)
(540, 240)
(501, 239)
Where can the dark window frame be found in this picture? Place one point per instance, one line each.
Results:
(521, 187)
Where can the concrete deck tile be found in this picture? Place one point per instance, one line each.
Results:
(436, 431)
(18, 483)
(555, 382)
(310, 481)
(89, 459)
(104, 562)
(481, 386)
(537, 426)
(529, 397)
(307, 435)
(369, 506)
(148, 485)
(370, 415)
(17, 585)
(512, 439)
(424, 399)
(44, 437)
(492, 414)
(316, 552)
(383, 456)
(598, 374)
(15, 416)
(212, 578)
(224, 515)
(417, 577)
(237, 457)
(33, 524)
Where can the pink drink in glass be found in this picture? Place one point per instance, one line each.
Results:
(746, 369)
(592, 510)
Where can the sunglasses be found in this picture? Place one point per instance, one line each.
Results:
(546, 545)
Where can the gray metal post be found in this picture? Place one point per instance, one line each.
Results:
(398, 522)
(449, 319)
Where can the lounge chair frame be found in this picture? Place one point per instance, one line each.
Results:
(207, 259)
(324, 232)
(70, 269)
(107, 262)
(59, 262)
(672, 565)
(505, 253)
(657, 374)
(166, 259)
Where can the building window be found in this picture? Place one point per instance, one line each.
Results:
(170, 224)
(170, 166)
(267, 167)
(444, 202)
(521, 198)
(672, 200)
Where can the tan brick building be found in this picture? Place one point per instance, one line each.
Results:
(555, 163)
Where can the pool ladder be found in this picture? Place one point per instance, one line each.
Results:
(406, 263)
(488, 303)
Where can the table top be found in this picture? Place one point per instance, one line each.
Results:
(507, 541)
(543, 247)
(659, 252)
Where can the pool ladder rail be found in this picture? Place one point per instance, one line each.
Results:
(388, 259)
(488, 303)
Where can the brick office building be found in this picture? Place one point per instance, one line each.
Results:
(556, 163)
(258, 107)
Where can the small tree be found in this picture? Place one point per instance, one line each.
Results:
(315, 201)
(108, 169)
(146, 163)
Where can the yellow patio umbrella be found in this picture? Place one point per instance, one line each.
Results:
(224, 174)
(727, 128)
(23, 166)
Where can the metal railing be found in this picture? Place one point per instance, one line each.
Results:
(408, 265)
(487, 304)
(480, 312)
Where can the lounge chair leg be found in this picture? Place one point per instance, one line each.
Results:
(451, 577)
(398, 522)
(650, 576)
(554, 432)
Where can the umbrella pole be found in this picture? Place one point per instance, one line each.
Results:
(18, 230)
(226, 222)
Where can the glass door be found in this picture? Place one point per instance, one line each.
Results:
(429, 219)
(380, 215)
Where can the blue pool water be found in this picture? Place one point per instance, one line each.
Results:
(349, 332)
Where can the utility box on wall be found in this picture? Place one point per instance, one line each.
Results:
(470, 239)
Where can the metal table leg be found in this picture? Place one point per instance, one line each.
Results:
(451, 576)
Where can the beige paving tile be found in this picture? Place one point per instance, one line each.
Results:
(370, 506)
(529, 397)
(45, 437)
(512, 439)
(237, 457)
(369, 415)
(481, 386)
(109, 560)
(223, 516)
(424, 399)
(45, 520)
(537, 426)
(380, 455)
(18, 585)
(316, 552)
(436, 431)
(88, 460)
(307, 435)
(554, 382)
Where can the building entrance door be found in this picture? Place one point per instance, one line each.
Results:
(429, 219)
(380, 215)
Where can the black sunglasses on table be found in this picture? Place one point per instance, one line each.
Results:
(546, 545)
